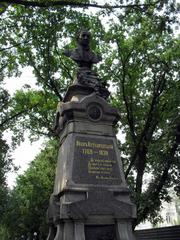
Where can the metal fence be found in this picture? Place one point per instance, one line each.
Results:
(164, 233)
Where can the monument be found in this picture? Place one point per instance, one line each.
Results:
(91, 200)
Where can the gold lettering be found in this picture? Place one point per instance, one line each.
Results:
(93, 145)
(93, 172)
(103, 152)
(81, 144)
(87, 151)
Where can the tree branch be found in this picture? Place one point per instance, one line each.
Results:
(157, 185)
(150, 124)
(44, 122)
(3, 8)
(40, 132)
(66, 69)
(73, 4)
(143, 138)
(2, 68)
(12, 117)
(16, 45)
(4, 104)
(15, 115)
(130, 116)
(52, 84)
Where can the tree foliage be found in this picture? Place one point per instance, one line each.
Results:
(141, 60)
(146, 75)
(81, 4)
(5, 158)
(28, 201)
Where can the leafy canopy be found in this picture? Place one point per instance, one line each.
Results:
(141, 60)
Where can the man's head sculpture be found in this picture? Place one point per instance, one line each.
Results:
(83, 38)
(85, 58)
(83, 55)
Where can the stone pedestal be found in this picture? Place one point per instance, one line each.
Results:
(90, 199)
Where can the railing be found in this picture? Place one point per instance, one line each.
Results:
(164, 233)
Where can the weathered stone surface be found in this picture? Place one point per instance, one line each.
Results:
(101, 232)
(75, 171)
(91, 200)
(77, 113)
(99, 203)
(53, 209)
(89, 180)
(95, 161)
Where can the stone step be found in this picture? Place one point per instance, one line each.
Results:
(165, 233)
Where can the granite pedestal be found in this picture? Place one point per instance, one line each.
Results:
(91, 200)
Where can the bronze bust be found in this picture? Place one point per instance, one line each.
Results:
(83, 55)
(85, 58)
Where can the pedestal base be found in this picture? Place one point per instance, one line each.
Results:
(91, 200)
(79, 231)
(92, 215)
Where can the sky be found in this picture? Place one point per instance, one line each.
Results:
(22, 156)
(26, 151)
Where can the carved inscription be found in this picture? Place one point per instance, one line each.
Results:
(95, 161)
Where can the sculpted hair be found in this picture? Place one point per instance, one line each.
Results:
(80, 31)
